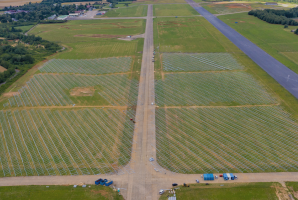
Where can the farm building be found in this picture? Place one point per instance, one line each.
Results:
(74, 14)
(271, 4)
(62, 17)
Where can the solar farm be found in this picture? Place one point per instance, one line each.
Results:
(51, 127)
(220, 119)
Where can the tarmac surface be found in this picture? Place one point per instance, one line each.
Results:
(283, 75)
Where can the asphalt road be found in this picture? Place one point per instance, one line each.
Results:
(283, 75)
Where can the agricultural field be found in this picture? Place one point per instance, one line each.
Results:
(91, 39)
(232, 191)
(71, 114)
(5, 3)
(197, 89)
(64, 142)
(276, 40)
(88, 66)
(58, 192)
(217, 111)
(174, 10)
(131, 11)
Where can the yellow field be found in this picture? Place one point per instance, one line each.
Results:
(4, 3)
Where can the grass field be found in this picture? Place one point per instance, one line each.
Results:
(88, 39)
(58, 192)
(158, 1)
(232, 191)
(174, 10)
(233, 7)
(179, 34)
(293, 188)
(131, 11)
(25, 28)
(274, 39)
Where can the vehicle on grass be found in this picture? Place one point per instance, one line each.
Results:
(161, 192)
(185, 185)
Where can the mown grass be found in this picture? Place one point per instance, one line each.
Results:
(131, 11)
(58, 192)
(24, 28)
(197, 35)
(274, 39)
(174, 10)
(232, 7)
(89, 39)
(244, 191)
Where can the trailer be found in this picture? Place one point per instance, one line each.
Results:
(208, 177)
(97, 182)
(108, 183)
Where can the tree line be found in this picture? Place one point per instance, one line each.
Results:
(275, 16)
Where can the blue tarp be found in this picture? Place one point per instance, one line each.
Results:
(208, 177)
(228, 176)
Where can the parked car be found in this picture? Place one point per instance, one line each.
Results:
(174, 184)
(197, 181)
(161, 192)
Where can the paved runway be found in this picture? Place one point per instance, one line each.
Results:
(283, 75)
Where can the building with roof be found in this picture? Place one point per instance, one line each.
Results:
(62, 17)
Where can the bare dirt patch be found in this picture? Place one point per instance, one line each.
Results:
(236, 5)
(2, 69)
(133, 37)
(10, 94)
(82, 91)
(100, 36)
(281, 192)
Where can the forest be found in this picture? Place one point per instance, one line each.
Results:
(276, 16)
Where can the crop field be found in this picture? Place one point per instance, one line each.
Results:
(174, 10)
(55, 90)
(88, 66)
(274, 39)
(223, 88)
(177, 62)
(238, 139)
(64, 142)
(91, 39)
(131, 11)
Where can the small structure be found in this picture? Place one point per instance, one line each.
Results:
(62, 17)
(271, 4)
(101, 13)
(52, 17)
(208, 177)
(228, 176)
(74, 14)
